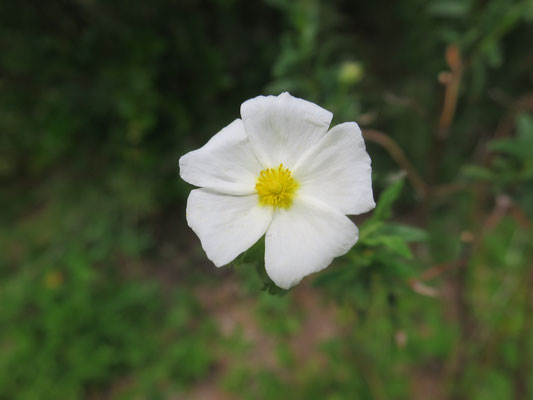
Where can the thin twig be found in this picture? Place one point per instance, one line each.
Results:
(451, 81)
(453, 59)
(399, 156)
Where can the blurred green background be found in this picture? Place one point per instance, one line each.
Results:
(105, 292)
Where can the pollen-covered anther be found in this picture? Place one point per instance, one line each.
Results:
(276, 187)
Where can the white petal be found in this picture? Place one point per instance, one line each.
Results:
(337, 171)
(226, 164)
(281, 129)
(226, 225)
(305, 239)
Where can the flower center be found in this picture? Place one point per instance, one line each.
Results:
(276, 187)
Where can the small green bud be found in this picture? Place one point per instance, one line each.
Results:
(350, 72)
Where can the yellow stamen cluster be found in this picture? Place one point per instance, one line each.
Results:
(276, 187)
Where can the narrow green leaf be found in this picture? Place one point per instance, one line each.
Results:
(386, 200)
(477, 172)
(406, 232)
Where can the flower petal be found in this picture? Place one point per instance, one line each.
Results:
(337, 171)
(305, 239)
(226, 164)
(281, 129)
(226, 225)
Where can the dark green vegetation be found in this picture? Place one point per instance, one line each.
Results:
(104, 291)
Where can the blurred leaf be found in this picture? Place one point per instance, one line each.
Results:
(524, 127)
(386, 200)
(449, 8)
(477, 172)
(406, 232)
(510, 146)
(396, 244)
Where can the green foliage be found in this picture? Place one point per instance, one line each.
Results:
(103, 289)
(382, 252)
(80, 331)
(518, 166)
(72, 322)
(98, 100)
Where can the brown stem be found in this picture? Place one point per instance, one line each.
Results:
(451, 81)
(399, 156)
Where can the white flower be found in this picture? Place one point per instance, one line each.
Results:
(278, 172)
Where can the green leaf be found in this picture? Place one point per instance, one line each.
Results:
(268, 285)
(449, 9)
(338, 274)
(519, 146)
(398, 269)
(254, 255)
(386, 200)
(369, 229)
(512, 147)
(397, 245)
(477, 172)
(394, 243)
(406, 232)
(524, 127)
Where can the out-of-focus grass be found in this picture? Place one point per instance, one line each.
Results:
(104, 291)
